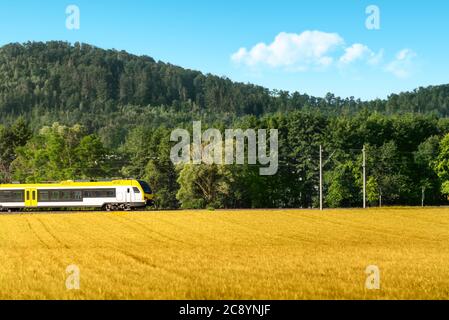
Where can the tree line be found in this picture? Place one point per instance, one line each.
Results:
(407, 159)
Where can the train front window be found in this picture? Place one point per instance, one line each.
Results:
(146, 188)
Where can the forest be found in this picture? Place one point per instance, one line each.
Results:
(74, 111)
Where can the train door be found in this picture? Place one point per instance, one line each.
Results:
(30, 197)
(128, 195)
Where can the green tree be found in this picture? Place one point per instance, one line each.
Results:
(160, 171)
(425, 176)
(343, 189)
(60, 153)
(11, 138)
(92, 159)
(203, 186)
(384, 166)
(442, 164)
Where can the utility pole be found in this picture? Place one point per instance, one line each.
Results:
(364, 177)
(321, 178)
(423, 195)
(380, 197)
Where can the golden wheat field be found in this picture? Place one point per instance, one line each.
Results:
(245, 254)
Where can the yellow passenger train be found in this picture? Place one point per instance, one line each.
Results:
(108, 195)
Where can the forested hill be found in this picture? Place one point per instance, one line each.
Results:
(60, 76)
(56, 79)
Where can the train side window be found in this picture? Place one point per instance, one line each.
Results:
(28, 195)
(99, 193)
(87, 194)
(43, 195)
(33, 195)
(78, 195)
(129, 190)
(12, 196)
(55, 195)
(136, 190)
(5, 196)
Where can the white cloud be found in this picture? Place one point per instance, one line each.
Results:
(317, 50)
(402, 66)
(290, 50)
(360, 52)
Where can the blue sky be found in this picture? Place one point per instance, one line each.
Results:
(312, 47)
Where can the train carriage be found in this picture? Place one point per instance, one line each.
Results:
(107, 195)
